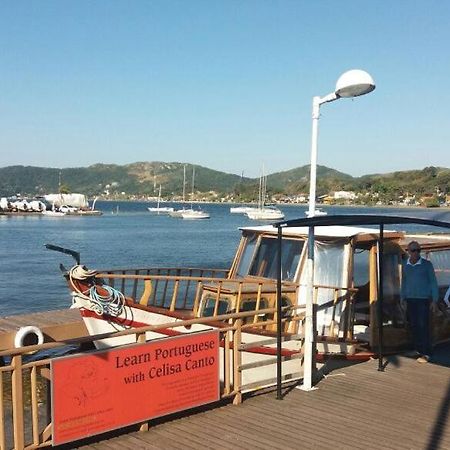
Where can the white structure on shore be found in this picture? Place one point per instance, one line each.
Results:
(76, 200)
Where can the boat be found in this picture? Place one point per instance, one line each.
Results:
(191, 213)
(194, 214)
(241, 209)
(53, 213)
(347, 294)
(317, 212)
(263, 212)
(178, 212)
(160, 210)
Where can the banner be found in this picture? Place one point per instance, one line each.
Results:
(104, 390)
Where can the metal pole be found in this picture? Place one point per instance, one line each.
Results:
(314, 145)
(309, 359)
(279, 311)
(380, 298)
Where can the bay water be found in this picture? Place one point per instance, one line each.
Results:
(128, 236)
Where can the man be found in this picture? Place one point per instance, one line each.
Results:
(420, 292)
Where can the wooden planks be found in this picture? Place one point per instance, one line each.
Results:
(55, 325)
(405, 407)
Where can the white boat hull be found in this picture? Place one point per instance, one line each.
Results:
(265, 214)
(161, 210)
(191, 214)
(135, 317)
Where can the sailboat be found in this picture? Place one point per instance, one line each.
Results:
(160, 209)
(264, 212)
(178, 212)
(194, 214)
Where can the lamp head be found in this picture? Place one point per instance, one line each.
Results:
(354, 83)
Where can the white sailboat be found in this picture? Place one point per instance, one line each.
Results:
(241, 209)
(264, 212)
(160, 209)
(194, 214)
(178, 212)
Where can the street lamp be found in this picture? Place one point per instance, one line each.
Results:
(350, 84)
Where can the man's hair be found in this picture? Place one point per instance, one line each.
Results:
(413, 243)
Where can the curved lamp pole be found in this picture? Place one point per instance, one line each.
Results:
(350, 84)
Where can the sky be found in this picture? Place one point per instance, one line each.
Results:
(224, 84)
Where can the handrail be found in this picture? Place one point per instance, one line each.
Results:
(26, 373)
(181, 323)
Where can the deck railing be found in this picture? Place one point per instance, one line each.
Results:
(25, 389)
(176, 288)
(25, 416)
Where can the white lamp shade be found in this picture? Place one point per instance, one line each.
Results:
(354, 83)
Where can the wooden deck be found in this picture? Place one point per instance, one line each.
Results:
(405, 407)
(55, 325)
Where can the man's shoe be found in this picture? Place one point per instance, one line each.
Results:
(412, 354)
(423, 359)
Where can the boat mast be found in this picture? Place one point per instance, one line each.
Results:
(184, 182)
(192, 194)
(159, 197)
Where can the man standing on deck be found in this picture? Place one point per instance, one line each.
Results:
(420, 291)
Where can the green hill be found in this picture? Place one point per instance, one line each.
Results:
(144, 178)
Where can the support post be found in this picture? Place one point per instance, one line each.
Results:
(380, 298)
(17, 402)
(279, 313)
(313, 167)
(309, 361)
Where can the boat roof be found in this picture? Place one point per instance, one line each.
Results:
(344, 226)
(331, 231)
(360, 219)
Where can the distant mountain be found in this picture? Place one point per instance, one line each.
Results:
(144, 178)
(141, 178)
(296, 180)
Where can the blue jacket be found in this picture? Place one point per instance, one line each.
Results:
(419, 281)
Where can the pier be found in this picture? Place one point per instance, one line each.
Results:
(405, 407)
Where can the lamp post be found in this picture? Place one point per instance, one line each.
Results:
(350, 84)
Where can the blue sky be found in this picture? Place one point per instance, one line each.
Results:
(224, 84)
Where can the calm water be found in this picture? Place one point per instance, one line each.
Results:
(30, 279)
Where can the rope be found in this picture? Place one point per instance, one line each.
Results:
(112, 303)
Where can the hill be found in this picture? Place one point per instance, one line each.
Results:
(144, 178)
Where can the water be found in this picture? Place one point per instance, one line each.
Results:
(30, 279)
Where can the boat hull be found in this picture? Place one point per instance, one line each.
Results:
(132, 317)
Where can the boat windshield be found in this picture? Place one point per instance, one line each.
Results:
(264, 263)
(441, 263)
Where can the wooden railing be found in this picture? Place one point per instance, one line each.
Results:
(337, 295)
(25, 387)
(176, 288)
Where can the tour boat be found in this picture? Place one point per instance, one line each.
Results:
(348, 297)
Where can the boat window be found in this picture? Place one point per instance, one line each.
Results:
(329, 270)
(265, 261)
(361, 281)
(441, 263)
(361, 274)
(250, 305)
(391, 288)
(247, 256)
(210, 304)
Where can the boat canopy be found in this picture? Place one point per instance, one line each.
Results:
(324, 231)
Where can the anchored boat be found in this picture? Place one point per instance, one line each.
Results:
(346, 294)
